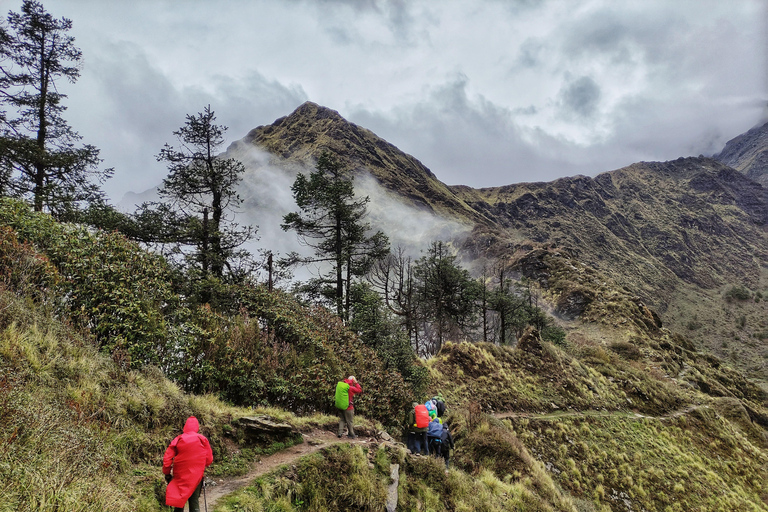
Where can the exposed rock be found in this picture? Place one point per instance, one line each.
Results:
(256, 428)
(748, 153)
(530, 341)
(392, 490)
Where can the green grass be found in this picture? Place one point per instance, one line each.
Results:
(693, 462)
(78, 433)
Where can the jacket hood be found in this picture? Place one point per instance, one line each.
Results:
(192, 425)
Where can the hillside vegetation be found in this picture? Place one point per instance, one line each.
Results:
(680, 234)
(620, 415)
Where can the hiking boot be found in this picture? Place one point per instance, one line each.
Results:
(352, 436)
(338, 435)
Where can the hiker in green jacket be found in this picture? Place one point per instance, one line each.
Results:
(347, 416)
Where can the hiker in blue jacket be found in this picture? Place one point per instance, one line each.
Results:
(434, 435)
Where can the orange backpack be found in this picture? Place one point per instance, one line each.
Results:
(422, 416)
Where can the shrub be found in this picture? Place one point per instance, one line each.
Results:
(737, 292)
(110, 285)
(626, 350)
(554, 334)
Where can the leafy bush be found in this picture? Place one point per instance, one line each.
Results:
(737, 292)
(554, 334)
(24, 270)
(109, 285)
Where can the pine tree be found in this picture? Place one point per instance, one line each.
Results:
(445, 295)
(39, 153)
(331, 222)
(200, 192)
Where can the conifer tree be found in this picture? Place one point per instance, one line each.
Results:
(40, 155)
(201, 196)
(445, 296)
(331, 222)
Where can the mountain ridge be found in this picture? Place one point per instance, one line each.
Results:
(748, 154)
(311, 129)
(677, 233)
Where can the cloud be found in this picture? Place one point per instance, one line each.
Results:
(469, 140)
(267, 198)
(141, 106)
(406, 226)
(580, 97)
(484, 93)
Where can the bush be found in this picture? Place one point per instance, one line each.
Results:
(626, 350)
(554, 334)
(109, 285)
(737, 292)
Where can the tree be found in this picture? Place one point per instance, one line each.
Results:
(39, 155)
(392, 277)
(512, 304)
(201, 191)
(331, 223)
(445, 295)
(373, 322)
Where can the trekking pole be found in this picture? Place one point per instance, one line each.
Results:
(205, 499)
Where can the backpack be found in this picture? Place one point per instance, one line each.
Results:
(422, 416)
(342, 395)
(440, 405)
(435, 429)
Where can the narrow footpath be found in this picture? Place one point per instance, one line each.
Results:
(217, 488)
(596, 413)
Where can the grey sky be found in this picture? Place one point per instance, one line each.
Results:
(484, 93)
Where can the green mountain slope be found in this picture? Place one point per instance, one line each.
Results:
(680, 234)
(647, 268)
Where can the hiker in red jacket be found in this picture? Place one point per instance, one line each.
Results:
(348, 416)
(188, 455)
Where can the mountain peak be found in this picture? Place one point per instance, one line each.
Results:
(311, 129)
(748, 153)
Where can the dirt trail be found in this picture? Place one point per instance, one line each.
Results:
(217, 488)
(567, 414)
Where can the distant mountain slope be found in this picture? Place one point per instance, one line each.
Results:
(646, 225)
(311, 129)
(748, 153)
(678, 234)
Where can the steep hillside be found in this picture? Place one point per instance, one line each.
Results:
(624, 414)
(311, 129)
(646, 224)
(681, 234)
(748, 153)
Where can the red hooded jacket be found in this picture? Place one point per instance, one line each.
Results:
(354, 388)
(189, 454)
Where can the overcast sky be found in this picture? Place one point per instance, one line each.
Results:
(484, 93)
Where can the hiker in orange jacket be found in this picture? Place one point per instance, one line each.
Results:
(184, 465)
(347, 417)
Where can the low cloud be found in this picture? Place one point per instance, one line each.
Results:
(267, 198)
(145, 106)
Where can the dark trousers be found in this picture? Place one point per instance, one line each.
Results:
(193, 501)
(434, 446)
(419, 441)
